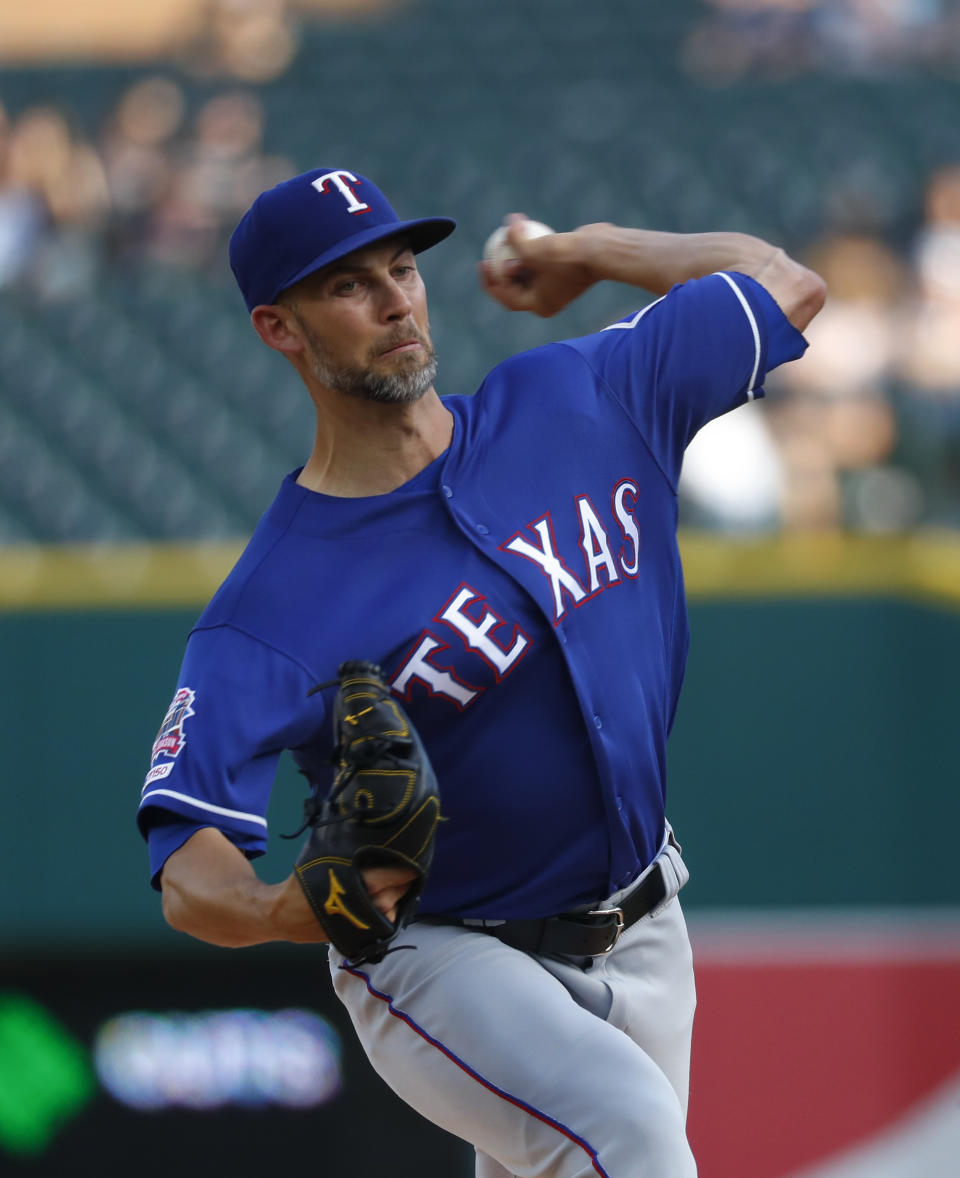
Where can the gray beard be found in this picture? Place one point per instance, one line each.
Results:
(398, 388)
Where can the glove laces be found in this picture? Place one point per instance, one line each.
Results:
(374, 750)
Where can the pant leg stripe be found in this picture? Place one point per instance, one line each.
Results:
(474, 1074)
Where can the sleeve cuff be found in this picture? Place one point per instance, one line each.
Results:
(783, 342)
(198, 811)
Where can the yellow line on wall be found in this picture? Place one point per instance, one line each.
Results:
(156, 576)
(136, 576)
(923, 567)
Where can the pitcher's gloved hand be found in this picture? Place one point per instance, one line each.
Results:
(382, 811)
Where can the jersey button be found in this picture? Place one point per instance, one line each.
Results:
(483, 530)
(598, 723)
(448, 491)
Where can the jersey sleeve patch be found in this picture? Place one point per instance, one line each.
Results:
(238, 702)
(172, 736)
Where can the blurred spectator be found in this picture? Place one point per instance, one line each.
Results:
(218, 172)
(834, 419)
(137, 157)
(22, 213)
(53, 205)
(929, 351)
(252, 40)
(733, 476)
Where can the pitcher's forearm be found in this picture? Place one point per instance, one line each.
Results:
(233, 916)
(658, 261)
(211, 892)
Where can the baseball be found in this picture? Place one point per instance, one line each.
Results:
(497, 248)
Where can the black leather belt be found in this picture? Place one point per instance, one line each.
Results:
(590, 933)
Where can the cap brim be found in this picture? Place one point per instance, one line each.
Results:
(423, 233)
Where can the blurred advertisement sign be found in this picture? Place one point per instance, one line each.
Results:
(828, 1046)
(112, 1055)
(45, 1075)
(250, 1058)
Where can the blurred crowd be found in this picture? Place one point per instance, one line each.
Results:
(864, 434)
(160, 185)
(737, 39)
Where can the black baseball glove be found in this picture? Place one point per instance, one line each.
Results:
(382, 810)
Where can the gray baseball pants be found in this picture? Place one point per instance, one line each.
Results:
(548, 1069)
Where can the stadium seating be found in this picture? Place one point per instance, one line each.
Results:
(144, 407)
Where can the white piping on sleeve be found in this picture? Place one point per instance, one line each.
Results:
(753, 327)
(172, 793)
(631, 323)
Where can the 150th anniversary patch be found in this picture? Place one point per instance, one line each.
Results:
(171, 738)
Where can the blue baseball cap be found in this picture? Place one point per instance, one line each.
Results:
(308, 222)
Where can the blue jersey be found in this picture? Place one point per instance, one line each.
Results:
(523, 595)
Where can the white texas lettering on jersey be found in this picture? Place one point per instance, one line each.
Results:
(601, 564)
(340, 180)
(479, 627)
(476, 633)
(561, 579)
(595, 545)
(628, 525)
(438, 680)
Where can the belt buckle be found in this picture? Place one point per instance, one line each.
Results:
(615, 931)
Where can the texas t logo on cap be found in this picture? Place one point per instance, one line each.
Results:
(339, 179)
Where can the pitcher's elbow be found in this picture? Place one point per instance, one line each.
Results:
(174, 912)
(179, 913)
(811, 294)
